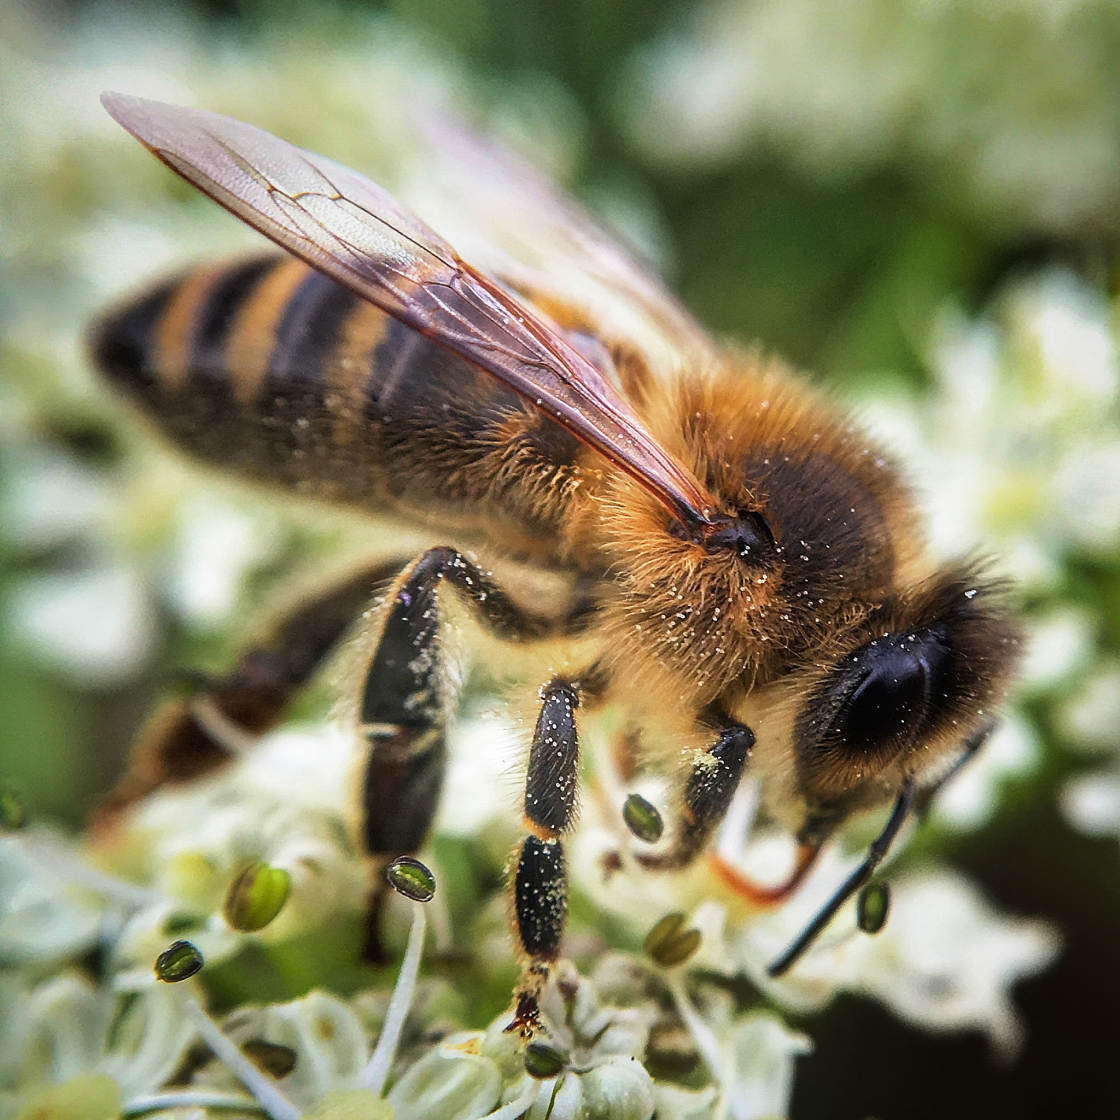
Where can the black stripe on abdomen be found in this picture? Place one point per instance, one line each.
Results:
(217, 316)
(308, 333)
(122, 343)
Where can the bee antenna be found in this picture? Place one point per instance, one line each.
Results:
(875, 855)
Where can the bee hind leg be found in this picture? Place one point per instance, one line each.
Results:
(190, 737)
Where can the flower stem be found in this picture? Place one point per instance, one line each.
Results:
(377, 1071)
(268, 1095)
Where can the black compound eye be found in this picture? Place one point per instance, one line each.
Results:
(888, 703)
(876, 703)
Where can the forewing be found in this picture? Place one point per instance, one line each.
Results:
(355, 232)
(517, 224)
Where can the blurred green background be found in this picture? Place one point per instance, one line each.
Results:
(836, 178)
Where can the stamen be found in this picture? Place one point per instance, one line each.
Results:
(706, 1042)
(57, 859)
(263, 1088)
(377, 1071)
(158, 1102)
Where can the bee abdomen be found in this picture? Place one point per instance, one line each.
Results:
(272, 370)
(239, 365)
(150, 345)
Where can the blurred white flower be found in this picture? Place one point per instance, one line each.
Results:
(971, 798)
(842, 85)
(97, 624)
(48, 497)
(946, 960)
(216, 545)
(1092, 803)
(70, 1028)
(44, 919)
(1089, 715)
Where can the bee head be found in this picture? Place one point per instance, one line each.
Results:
(927, 671)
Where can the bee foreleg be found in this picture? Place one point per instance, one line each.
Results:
(540, 886)
(190, 737)
(875, 855)
(711, 783)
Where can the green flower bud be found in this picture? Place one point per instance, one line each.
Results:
(90, 1096)
(873, 906)
(671, 1050)
(256, 896)
(411, 878)
(543, 1060)
(669, 944)
(179, 961)
(13, 814)
(350, 1104)
(447, 1082)
(643, 819)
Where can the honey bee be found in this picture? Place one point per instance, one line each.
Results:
(743, 571)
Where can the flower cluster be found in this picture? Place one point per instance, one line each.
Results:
(256, 873)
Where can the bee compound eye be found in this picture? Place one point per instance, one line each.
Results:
(881, 697)
(888, 702)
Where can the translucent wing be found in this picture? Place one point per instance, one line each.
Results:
(516, 224)
(355, 232)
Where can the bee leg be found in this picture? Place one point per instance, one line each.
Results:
(190, 737)
(709, 788)
(875, 855)
(404, 705)
(540, 885)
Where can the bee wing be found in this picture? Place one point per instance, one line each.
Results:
(355, 232)
(519, 225)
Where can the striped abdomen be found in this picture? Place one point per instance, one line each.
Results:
(270, 369)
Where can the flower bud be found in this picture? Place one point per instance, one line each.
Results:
(643, 818)
(13, 814)
(873, 906)
(179, 961)
(256, 896)
(669, 944)
(542, 1060)
(411, 878)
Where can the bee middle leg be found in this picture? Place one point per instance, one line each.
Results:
(540, 885)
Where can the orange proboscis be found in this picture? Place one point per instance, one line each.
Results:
(756, 893)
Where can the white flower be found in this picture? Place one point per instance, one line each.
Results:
(837, 85)
(1092, 803)
(96, 625)
(972, 797)
(216, 545)
(44, 919)
(946, 960)
(69, 1028)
